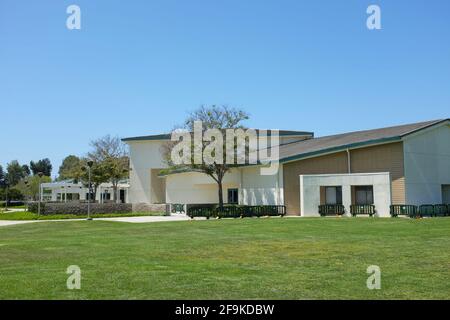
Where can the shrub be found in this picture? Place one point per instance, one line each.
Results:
(76, 208)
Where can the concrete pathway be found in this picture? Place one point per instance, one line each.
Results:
(4, 223)
(141, 219)
(146, 219)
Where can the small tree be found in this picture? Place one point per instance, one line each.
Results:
(99, 174)
(30, 186)
(213, 117)
(112, 154)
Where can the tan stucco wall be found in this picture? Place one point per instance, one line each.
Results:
(381, 158)
(334, 163)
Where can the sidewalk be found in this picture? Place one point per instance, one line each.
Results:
(142, 219)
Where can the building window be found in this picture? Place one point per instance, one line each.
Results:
(363, 195)
(333, 195)
(233, 196)
(446, 194)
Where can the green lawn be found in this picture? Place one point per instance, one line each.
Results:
(25, 215)
(228, 259)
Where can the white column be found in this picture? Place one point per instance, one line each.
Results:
(347, 198)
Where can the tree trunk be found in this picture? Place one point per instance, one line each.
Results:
(94, 193)
(220, 194)
(115, 186)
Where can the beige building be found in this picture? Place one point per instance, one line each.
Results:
(406, 164)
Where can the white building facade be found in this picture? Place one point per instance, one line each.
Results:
(66, 191)
(423, 166)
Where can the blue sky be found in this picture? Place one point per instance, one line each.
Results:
(137, 67)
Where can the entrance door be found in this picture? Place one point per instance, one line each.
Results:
(122, 196)
(446, 193)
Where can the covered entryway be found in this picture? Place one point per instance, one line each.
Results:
(345, 189)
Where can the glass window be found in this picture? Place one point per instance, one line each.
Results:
(233, 196)
(333, 195)
(364, 195)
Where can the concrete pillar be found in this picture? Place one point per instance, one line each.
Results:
(347, 198)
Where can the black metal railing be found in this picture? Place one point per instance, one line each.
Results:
(331, 209)
(356, 209)
(426, 210)
(403, 210)
(235, 211)
(441, 210)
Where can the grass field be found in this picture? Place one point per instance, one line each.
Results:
(228, 259)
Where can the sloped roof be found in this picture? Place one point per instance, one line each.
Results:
(334, 143)
(166, 136)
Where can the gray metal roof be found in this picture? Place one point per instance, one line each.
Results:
(334, 143)
(166, 136)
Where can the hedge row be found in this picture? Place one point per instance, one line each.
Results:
(235, 211)
(76, 208)
(12, 203)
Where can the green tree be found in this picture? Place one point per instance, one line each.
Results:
(43, 166)
(112, 155)
(30, 186)
(2, 177)
(214, 117)
(26, 170)
(15, 172)
(99, 174)
(13, 194)
(69, 168)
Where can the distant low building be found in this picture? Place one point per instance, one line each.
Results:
(65, 191)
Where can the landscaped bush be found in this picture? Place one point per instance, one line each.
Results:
(235, 211)
(76, 208)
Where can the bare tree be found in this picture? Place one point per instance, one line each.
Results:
(214, 117)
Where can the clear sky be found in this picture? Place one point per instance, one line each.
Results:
(137, 67)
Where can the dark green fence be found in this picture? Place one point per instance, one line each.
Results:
(228, 211)
(362, 209)
(441, 210)
(426, 210)
(403, 210)
(331, 210)
(207, 212)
